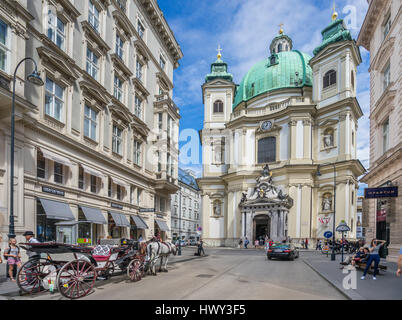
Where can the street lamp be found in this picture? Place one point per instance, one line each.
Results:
(333, 225)
(35, 79)
(343, 227)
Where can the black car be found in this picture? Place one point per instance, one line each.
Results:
(283, 250)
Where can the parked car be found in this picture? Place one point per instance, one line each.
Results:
(193, 242)
(283, 250)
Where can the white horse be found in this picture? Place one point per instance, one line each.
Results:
(166, 249)
(156, 250)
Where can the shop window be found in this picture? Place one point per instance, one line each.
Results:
(41, 165)
(114, 231)
(109, 188)
(58, 172)
(84, 228)
(45, 228)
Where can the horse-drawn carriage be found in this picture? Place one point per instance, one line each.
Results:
(74, 278)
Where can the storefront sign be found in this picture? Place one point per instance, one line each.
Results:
(386, 192)
(53, 191)
(147, 209)
(381, 215)
(117, 206)
(84, 240)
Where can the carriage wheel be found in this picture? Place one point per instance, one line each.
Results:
(32, 273)
(135, 270)
(76, 279)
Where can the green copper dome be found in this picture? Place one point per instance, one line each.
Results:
(286, 69)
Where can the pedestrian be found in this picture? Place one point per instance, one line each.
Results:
(306, 243)
(256, 243)
(302, 243)
(246, 242)
(398, 272)
(261, 242)
(200, 248)
(1, 244)
(13, 256)
(374, 256)
(240, 242)
(33, 256)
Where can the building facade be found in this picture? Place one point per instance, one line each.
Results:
(185, 208)
(380, 34)
(96, 147)
(271, 145)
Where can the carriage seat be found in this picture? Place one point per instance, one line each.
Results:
(101, 252)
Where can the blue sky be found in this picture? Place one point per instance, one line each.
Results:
(244, 29)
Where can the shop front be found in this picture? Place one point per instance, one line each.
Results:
(117, 224)
(90, 225)
(161, 228)
(137, 228)
(49, 216)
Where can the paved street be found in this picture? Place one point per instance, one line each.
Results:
(224, 274)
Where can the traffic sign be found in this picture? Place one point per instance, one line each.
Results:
(328, 234)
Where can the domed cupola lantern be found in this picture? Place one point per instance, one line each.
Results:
(281, 43)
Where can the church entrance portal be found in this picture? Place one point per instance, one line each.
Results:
(262, 225)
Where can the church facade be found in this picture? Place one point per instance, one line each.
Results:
(279, 150)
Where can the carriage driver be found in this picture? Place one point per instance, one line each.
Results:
(33, 256)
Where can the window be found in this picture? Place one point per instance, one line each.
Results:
(280, 47)
(170, 125)
(139, 70)
(387, 26)
(118, 192)
(55, 30)
(168, 162)
(140, 29)
(93, 184)
(387, 76)
(58, 172)
(139, 192)
(267, 150)
(329, 78)
(92, 64)
(122, 4)
(4, 46)
(119, 47)
(81, 178)
(93, 16)
(162, 63)
(90, 123)
(117, 140)
(138, 107)
(54, 100)
(158, 155)
(162, 204)
(353, 198)
(218, 106)
(160, 121)
(40, 165)
(137, 152)
(109, 188)
(118, 88)
(352, 78)
(385, 136)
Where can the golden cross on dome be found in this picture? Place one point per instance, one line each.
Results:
(334, 13)
(219, 51)
(281, 28)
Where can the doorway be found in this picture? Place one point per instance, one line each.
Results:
(262, 225)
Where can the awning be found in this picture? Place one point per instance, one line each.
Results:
(120, 219)
(120, 183)
(139, 222)
(57, 210)
(162, 225)
(94, 215)
(55, 157)
(93, 172)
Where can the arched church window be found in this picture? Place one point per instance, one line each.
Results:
(218, 106)
(280, 47)
(287, 48)
(329, 78)
(267, 150)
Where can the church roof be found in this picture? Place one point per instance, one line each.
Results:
(288, 69)
(219, 70)
(334, 32)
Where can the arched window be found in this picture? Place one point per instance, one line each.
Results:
(352, 78)
(280, 47)
(218, 106)
(267, 150)
(329, 78)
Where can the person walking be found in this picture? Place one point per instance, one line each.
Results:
(374, 256)
(13, 257)
(246, 242)
(200, 248)
(306, 243)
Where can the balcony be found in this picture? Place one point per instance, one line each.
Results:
(166, 182)
(164, 99)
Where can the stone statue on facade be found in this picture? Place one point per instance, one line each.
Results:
(326, 203)
(328, 140)
(217, 208)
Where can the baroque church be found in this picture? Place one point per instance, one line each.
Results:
(279, 149)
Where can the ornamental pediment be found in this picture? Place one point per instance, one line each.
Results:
(94, 91)
(328, 122)
(140, 127)
(121, 113)
(382, 55)
(61, 64)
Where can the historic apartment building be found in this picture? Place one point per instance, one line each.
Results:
(381, 34)
(96, 147)
(185, 208)
(272, 145)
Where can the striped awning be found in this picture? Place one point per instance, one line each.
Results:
(162, 225)
(120, 219)
(140, 224)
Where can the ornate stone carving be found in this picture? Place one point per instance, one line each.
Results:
(327, 202)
